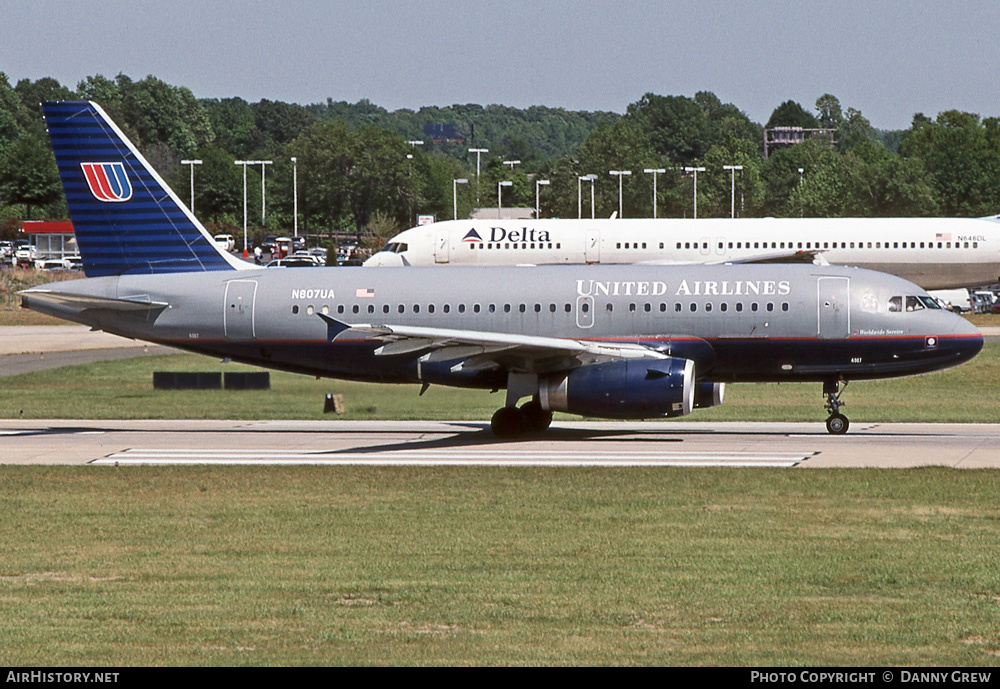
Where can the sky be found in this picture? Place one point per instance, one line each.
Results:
(889, 60)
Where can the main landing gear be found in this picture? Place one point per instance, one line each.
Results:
(510, 422)
(836, 423)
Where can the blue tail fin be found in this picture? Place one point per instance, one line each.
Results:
(126, 218)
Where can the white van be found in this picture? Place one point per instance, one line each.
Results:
(955, 299)
(226, 242)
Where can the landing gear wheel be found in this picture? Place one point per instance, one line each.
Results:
(507, 422)
(837, 424)
(533, 418)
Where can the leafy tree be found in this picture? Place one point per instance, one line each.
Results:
(791, 114)
(28, 174)
(962, 153)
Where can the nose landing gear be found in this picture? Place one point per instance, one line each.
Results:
(836, 423)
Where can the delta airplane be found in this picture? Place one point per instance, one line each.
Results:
(618, 341)
(935, 253)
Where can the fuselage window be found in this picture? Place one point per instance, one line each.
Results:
(647, 307)
(416, 308)
(678, 245)
(585, 307)
(461, 308)
(663, 307)
(552, 308)
(506, 308)
(476, 308)
(430, 308)
(694, 307)
(446, 308)
(677, 307)
(355, 309)
(340, 308)
(401, 308)
(708, 306)
(493, 308)
(385, 308)
(739, 307)
(310, 310)
(538, 308)
(631, 307)
(784, 306)
(770, 306)
(753, 306)
(610, 307)
(723, 307)
(295, 308)
(522, 308)
(568, 308)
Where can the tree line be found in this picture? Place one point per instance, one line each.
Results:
(359, 169)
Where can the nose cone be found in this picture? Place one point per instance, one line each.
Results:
(383, 259)
(964, 342)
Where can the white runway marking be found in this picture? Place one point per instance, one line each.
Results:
(456, 457)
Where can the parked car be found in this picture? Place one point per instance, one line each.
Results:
(292, 262)
(6, 250)
(26, 255)
(226, 242)
(74, 262)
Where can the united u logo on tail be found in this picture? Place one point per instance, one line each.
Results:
(107, 181)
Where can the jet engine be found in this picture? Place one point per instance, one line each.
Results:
(709, 395)
(631, 389)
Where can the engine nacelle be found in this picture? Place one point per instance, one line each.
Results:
(709, 395)
(631, 389)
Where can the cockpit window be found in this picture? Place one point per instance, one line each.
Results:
(390, 247)
(912, 303)
(401, 247)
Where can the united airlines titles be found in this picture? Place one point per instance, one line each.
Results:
(690, 288)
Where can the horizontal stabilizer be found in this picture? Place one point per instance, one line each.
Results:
(83, 302)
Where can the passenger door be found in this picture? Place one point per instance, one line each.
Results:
(834, 308)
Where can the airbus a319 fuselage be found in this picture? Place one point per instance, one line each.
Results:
(614, 341)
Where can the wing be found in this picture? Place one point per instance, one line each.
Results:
(480, 350)
(799, 256)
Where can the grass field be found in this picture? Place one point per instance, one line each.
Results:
(479, 566)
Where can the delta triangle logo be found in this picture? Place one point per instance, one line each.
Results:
(472, 236)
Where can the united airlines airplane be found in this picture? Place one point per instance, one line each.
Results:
(935, 253)
(617, 341)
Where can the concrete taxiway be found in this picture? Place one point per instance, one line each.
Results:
(442, 443)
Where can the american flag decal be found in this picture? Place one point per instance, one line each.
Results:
(366, 293)
(943, 236)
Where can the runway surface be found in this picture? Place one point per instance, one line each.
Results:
(437, 443)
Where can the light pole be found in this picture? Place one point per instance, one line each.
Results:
(263, 202)
(512, 163)
(295, 195)
(620, 174)
(244, 163)
(538, 208)
(591, 177)
(654, 172)
(454, 193)
(695, 170)
(732, 192)
(500, 187)
(192, 163)
(478, 152)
